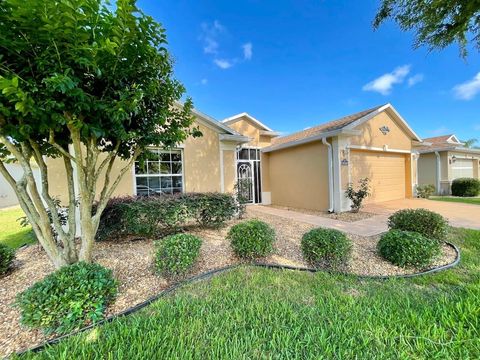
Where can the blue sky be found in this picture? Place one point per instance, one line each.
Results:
(295, 64)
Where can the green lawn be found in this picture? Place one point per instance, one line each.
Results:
(271, 314)
(11, 233)
(475, 201)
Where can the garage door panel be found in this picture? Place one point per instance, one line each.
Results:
(462, 168)
(386, 172)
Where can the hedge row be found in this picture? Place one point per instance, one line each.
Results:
(163, 215)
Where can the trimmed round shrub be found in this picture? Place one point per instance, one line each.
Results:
(326, 248)
(466, 187)
(176, 254)
(7, 255)
(407, 248)
(423, 221)
(68, 299)
(251, 239)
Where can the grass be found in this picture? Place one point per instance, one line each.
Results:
(468, 200)
(267, 314)
(11, 233)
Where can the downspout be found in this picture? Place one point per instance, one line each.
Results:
(330, 174)
(439, 172)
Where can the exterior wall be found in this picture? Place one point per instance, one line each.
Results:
(371, 135)
(229, 170)
(7, 194)
(247, 128)
(463, 155)
(201, 161)
(427, 165)
(299, 176)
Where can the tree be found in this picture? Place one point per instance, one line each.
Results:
(437, 23)
(470, 143)
(93, 85)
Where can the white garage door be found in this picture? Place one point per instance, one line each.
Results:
(462, 168)
(386, 172)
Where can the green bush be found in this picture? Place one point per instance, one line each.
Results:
(425, 191)
(326, 248)
(466, 187)
(251, 239)
(68, 299)
(407, 248)
(6, 258)
(423, 221)
(176, 254)
(158, 216)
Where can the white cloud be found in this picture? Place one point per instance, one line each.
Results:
(247, 51)
(204, 81)
(384, 83)
(223, 63)
(468, 89)
(442, 130)
(415, 79)
(209, 36)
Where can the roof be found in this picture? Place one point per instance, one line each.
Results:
(323, 128)
(444, 143)
(235, 118)
(346, 125)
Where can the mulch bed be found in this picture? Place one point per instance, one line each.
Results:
(346, 216)
(132, 265)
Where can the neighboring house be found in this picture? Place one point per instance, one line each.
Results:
(444, 159)
(310, 169)
(7, 195)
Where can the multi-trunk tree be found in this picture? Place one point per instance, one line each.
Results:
(90, 83)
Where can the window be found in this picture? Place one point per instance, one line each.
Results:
(162, 173)
(248, 154)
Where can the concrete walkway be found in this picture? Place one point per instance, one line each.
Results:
(458, 215)
(368, 227)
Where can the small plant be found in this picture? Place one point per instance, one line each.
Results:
(176, 254)
(251, 239)
(407, 248)
(68, 299)
(357, 196)
(425, 191)
(466, 187)
(6, 258)
(326, 248)
(423, 221)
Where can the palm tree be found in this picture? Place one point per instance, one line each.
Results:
(470, 143)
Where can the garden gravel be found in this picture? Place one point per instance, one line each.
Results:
(132, 264)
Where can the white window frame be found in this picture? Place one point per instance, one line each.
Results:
(135, 175)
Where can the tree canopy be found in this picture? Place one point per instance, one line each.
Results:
(438, 23)
(88, 82)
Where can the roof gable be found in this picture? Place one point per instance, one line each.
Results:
(239, 117)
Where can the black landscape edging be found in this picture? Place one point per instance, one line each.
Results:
(230, 267)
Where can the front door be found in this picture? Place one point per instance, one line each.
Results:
(249, 175)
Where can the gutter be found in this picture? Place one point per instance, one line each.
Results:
(330, 174)
(439, 171)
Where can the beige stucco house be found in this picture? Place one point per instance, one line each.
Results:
(443, 159)
(309, 169)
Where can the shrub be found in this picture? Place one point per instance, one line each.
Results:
(164, 215)
(357, 196)
(326, 248)
(466, 187)
(423, 221)
(175, 254)
(425, 191)
(68, 299)
(7, 255)
(407, 248)
(251, 239)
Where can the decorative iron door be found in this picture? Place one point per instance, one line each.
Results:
(246, 180)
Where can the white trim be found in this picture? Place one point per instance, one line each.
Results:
(222, 175)
(237, 117)
(237, 138)
(330, 174)
(317, 137)
(378, 111)
(269, 133)
(455, 140)
(384, 149)
(266, 197)
(438, 173)
(453, 148)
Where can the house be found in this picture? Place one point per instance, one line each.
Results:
(444, 159)
(310, 169)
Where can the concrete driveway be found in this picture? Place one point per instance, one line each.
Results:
(458, 214)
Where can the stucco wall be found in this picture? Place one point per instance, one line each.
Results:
(427, 169)
(248, 128)
(299, 176)
(229, 170)
(371, 135)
